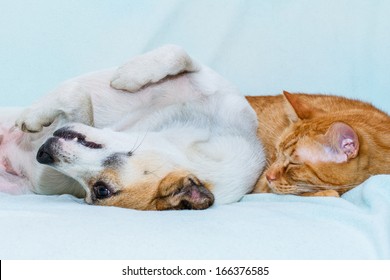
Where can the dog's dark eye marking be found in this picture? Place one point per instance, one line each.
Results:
(130, 153)
(114, 160)
(111, 160)
(101, 190)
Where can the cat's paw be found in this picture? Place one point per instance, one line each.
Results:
(33, 120)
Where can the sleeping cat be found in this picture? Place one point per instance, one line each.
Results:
(320, 145)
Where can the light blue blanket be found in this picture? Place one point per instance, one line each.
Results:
(261, 226)
(264, 47)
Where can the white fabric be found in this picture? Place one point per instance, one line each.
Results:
(330, 46)
(262, 226)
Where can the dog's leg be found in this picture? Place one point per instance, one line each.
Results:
(67, 102)
(152, 67)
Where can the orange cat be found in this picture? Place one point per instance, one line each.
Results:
(320, 144)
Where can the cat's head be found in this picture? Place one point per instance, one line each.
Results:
(318, 151)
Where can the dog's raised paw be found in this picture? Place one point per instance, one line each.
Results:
(32, 121)
(152, 67)
(135, 75)
(131, 78)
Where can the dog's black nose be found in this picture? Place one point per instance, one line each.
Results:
(45, 154)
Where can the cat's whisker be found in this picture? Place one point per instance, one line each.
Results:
(310, 187)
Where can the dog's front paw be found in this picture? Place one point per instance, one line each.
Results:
(33, 120)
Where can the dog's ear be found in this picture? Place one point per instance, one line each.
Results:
(180, 190)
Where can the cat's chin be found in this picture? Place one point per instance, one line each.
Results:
(295, 190)
(330, 193)
(283, 189)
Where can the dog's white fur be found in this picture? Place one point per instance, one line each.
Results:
(168, 111)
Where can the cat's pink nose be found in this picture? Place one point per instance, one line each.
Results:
(271, 176)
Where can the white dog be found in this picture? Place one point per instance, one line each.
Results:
(160, 132)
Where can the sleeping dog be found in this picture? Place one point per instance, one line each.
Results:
(160, 132)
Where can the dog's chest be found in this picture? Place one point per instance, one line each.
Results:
(9, 139)
(12, 177)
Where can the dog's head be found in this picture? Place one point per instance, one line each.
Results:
(124, 169)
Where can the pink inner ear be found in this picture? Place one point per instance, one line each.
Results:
(348, 147)
(343, 139)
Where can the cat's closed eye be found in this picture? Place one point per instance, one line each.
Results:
(294, 160)
(291, 163)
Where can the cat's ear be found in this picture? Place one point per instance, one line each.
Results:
(297, 108)
(343, 141)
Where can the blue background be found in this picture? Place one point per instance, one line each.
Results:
(337, 47)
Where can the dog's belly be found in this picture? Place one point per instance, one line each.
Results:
(13, 184)
(12, 179)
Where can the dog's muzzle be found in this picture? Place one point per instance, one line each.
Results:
(47, 153)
